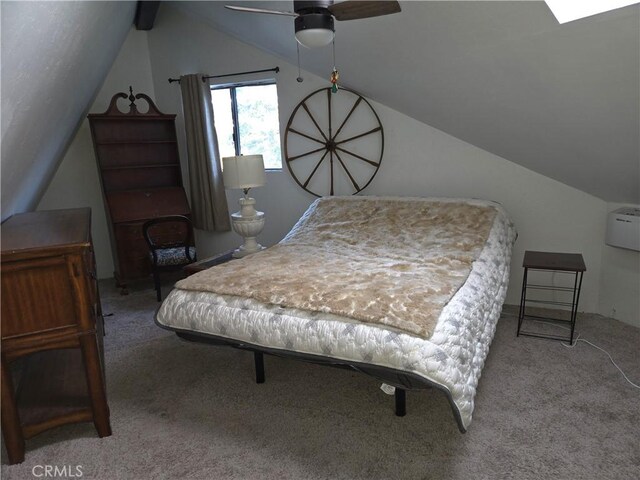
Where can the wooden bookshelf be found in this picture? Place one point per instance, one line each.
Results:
(140, 173)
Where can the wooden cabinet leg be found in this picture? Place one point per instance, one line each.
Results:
(11, 428)
(124, 289)
(95, 383)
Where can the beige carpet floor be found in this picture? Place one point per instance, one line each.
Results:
(181, 410)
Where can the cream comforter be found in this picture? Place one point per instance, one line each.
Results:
(394, 263)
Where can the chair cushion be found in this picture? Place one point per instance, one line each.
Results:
(173, 256)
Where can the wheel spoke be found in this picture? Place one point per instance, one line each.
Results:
(370, 162)
(293, 130)
(313, 172)
(373, 130)
(305, 154)
(353, 180)
(331, 163)
(355, 105)
(306, 109)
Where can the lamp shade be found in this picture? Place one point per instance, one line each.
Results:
(246, 171)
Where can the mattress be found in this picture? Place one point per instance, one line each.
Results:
(451, 358)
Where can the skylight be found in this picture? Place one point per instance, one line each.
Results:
(569, 10)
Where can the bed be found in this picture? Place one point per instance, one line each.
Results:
(408, 290)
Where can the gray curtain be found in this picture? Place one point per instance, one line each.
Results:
(208, 201)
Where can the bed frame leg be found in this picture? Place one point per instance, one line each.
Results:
(401, 402)
(258, 358)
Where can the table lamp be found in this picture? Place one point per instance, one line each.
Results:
(245, 172)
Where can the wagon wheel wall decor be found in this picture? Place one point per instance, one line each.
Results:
(334, 143)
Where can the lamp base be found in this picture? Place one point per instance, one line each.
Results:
(248, 223)
(241, 251)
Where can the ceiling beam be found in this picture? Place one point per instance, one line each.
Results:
(146, 14)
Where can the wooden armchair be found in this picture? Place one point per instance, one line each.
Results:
(171, 245)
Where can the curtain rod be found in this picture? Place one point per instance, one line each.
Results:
(207, 77)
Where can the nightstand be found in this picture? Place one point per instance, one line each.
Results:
(564, 263)
(52, 325)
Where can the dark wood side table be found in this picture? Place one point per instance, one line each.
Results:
(208, 262)
(566, 263)
(51, 321)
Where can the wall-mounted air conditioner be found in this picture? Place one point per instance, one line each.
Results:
(623, 228)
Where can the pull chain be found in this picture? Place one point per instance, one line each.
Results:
(299, 79)
(334, 74)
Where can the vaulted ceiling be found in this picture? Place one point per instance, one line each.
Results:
(55, 56)
(562, 100)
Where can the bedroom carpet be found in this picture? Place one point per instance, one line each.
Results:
(181, 410)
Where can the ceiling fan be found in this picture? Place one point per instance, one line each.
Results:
(314, 19)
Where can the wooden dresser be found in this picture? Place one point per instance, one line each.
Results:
(139, 166)
(51, 327)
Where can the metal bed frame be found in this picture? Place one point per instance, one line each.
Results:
(401, 380)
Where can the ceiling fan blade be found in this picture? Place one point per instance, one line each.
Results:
(260, 10)
(355, 9)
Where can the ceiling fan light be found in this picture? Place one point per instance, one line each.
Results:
(314, 37)
(314, 29)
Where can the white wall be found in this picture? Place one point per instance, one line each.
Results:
(620, 280)
(76, 182)
(54, 57)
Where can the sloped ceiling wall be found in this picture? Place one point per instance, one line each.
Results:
(561, 100)
(55, 56)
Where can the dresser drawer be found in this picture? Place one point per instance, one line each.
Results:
(37, 296)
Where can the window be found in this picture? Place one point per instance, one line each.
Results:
(247, 121)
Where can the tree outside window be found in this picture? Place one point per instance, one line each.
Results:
(247, 121)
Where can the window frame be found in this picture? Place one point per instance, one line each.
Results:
(234, 111)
